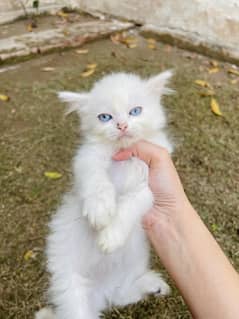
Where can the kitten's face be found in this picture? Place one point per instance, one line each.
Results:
(121, 108)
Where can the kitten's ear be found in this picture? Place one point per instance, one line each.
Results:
(76, 101)
(158, 84)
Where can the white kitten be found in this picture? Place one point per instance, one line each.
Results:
(97, 251)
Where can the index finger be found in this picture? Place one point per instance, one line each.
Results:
(149, 153)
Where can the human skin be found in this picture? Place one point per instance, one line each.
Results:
(201, 271)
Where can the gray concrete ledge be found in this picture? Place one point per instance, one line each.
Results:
(192, 42)
(73, 35)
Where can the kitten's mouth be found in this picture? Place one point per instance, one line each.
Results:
(124, 135)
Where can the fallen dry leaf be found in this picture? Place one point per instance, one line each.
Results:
(214, 63)
(203, 84)
(53, 175)
(213, 70)
(215, 107)
(87, 73)
(48, 69)
(151, 40)
(151, 43)
(31, 24)
(4, 97)
(233, 71)
(62, 14)
(29, 27)
(91, 66)
(151, 46)
(234, 81)
(207, 93)
(132, 45)
(82, 51)
(129, 41)
(30, 254)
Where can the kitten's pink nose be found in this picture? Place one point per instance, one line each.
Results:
(122, 126)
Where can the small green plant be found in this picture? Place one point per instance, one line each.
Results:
(35, 5)
(31, 17)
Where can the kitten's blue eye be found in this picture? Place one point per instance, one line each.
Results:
(104, 117)
(135, 111)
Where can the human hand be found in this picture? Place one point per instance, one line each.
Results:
(164, 182)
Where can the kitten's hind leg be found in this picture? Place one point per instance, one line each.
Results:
(73, 298)
(45, 313)
(132, 292)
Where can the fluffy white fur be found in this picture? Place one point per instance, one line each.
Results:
(97, 251)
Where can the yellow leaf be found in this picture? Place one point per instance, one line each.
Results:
(30, 254)
(207, 93)
(215, 107)
(128, 40)
(234, 81)
(53, 175)
(87, 73)
(4, 97)
(29, 27)
(213, 70)
(62, 14)
(152, 46)
(48, 69)
(151, 40)
(214, 63)
(91, 66)
(203, 84)
(132, 45)
(82, 51)
(233, 71)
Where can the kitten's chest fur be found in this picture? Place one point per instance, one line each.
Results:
(128, 176)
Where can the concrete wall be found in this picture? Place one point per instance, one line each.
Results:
(212, 24)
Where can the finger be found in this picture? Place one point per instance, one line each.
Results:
(123, 155)
(147, 152)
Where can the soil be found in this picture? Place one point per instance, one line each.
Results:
(36, 137)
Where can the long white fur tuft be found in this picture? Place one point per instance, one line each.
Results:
(75, 101)
(45, 313)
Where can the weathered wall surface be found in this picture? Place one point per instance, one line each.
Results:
(212, 24)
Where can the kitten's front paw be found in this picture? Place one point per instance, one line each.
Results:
(100, 208)
(110, 239)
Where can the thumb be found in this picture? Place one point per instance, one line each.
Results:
(149, 220)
